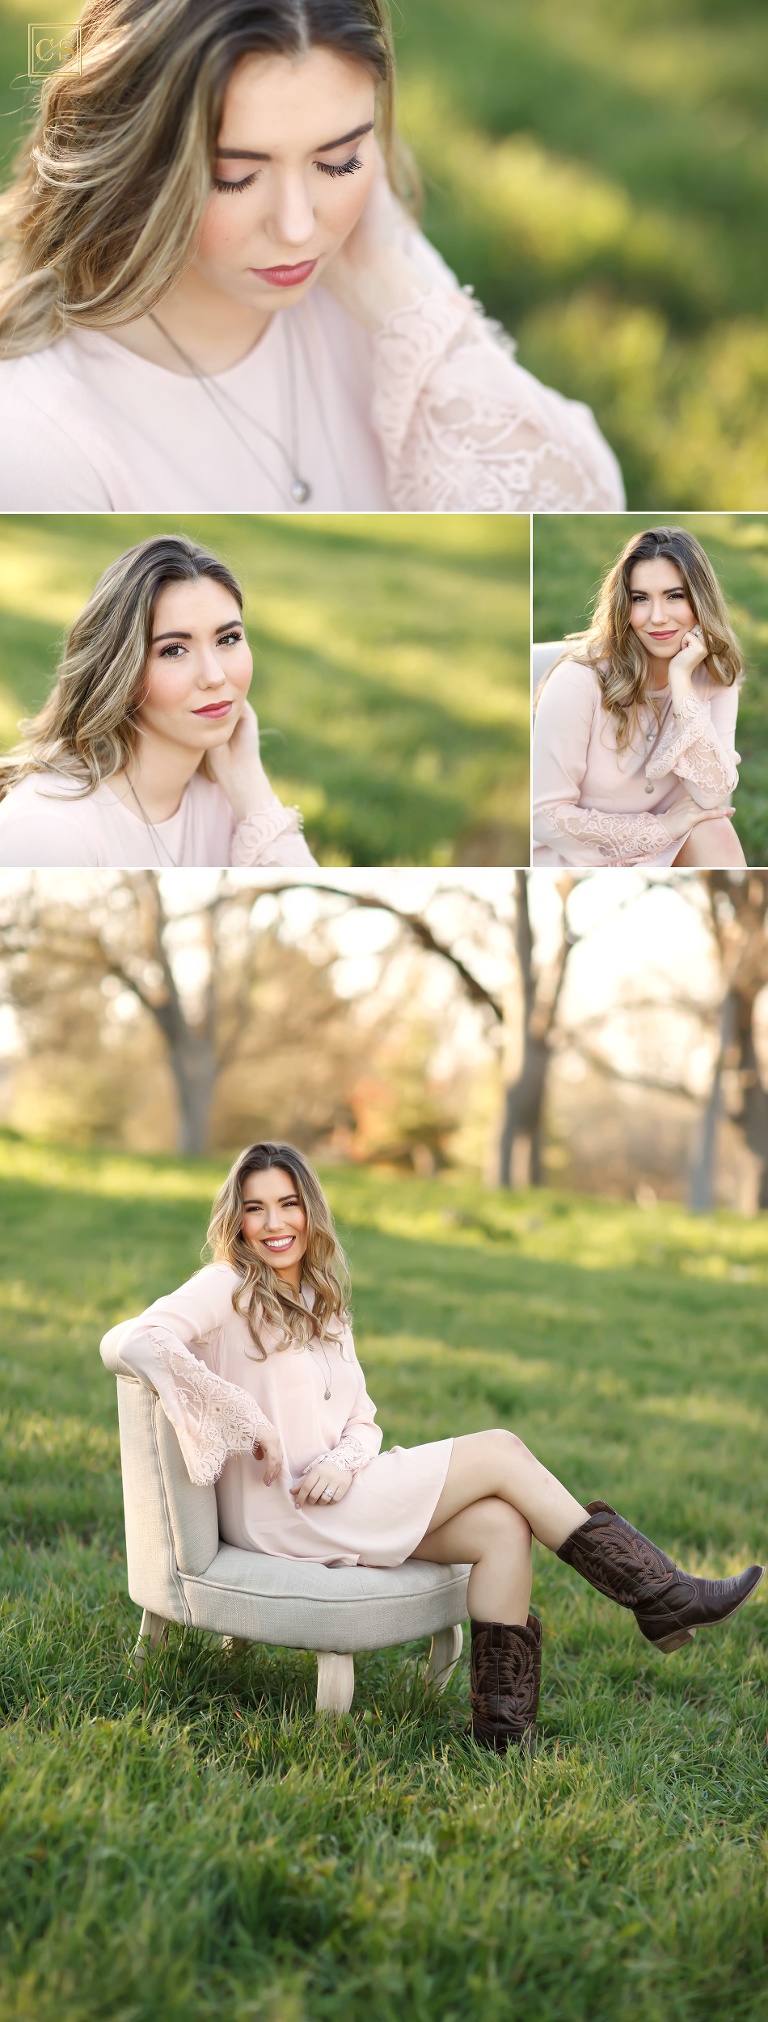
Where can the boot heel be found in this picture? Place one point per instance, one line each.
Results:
(675, 1641)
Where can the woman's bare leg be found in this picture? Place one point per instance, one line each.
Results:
(712, 845)
(498, 1464)
(497, 1540)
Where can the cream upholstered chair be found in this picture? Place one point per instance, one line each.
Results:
(544, 656)
(180, 1571)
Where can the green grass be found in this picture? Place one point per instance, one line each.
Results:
(570, 558)
(599, 173)
(193, 1844)
(390, 664)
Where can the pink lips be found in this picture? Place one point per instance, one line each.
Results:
(285, 277)
(661, 635)
(214, 709)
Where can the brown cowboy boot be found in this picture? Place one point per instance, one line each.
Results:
(504, 1680)
(668, 1605)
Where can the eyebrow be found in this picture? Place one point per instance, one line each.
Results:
(248, 154)
(188, 635)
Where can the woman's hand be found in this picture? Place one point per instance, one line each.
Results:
(238, 768)
(371, 275)
(686, 813)
(268, 1446)
(322, 1483)
(681, 668)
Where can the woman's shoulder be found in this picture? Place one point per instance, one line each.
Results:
(46, 820)
(573, 679)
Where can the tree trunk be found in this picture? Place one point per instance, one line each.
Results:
(702, 1172)
(524, 1110)
(194, 1068)
(753, 1115)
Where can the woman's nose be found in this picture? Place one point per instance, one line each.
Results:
(212, 674)
(293, 217)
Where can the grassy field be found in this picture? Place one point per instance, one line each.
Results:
(599, 174)
(570, 558)
(390, 665)
(194, 1845)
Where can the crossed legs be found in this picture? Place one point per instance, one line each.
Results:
(495, 1496)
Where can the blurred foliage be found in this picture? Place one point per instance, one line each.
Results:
(571, 556)
(390, 664)
(599, 173)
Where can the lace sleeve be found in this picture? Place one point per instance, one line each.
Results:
(464, 428)
(584, 835)
(689, 746)
(211, 1418)
(273, 837)
(351, 1453)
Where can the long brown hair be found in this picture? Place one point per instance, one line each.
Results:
(262, 1295)
(111, 184)
(613, 648)
(87, 728)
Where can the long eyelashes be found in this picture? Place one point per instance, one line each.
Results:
(177, 646)
(346, 168)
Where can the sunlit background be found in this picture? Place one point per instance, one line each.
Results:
(599, 174)
(603, 1033)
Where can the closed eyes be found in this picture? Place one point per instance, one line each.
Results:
(346, 168)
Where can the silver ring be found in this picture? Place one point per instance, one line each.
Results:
(328, 1494)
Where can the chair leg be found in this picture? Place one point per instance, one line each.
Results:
(335, 1682)
(444, 1656)
(153, 1631)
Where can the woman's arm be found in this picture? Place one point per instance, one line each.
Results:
(463, 427)
(166, 1348)
(698, 743)
(265, 832)
(580, 835)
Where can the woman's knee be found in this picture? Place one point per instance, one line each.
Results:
(497, 1525)
(504, 1446)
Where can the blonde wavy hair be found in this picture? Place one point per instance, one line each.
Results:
(87, 730)
(112, 182)
(263, 1296)
(611, 646)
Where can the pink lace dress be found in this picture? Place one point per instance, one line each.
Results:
(197, 1354)
(432, 413)
(593, 804)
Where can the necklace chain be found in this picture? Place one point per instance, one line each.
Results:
(300, 488)
(157, 840)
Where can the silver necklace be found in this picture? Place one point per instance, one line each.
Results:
(327, 1391)
(300, 487)
(157, 840)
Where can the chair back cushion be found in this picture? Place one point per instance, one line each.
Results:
(171, 1524)
(544, 656)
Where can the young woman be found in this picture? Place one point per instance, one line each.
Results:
(147, 751)
(254, 1364)
(215, 297)
(633, 746)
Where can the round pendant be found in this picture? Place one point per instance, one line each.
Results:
(300, 491)
(326, 1394)
(649, 788)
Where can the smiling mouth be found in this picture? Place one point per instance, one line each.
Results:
(285, 277)
(214, 709)
(663, 635)
(277, 1242)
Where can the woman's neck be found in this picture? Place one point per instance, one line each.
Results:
(658, 675)
(212, 331)
(157, 774)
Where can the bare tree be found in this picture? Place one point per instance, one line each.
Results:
(221, 994)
